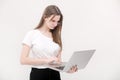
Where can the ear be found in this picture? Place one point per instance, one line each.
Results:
(44, 17)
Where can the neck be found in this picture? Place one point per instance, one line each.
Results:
(44, 29)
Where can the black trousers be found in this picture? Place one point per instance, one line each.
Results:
(44, 74)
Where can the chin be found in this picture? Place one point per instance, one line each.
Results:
(52, 28)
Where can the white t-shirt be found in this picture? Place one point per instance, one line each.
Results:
(41, 45)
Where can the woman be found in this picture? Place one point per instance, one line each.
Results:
(46, 46)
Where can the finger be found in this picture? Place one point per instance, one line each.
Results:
(51, 61)
(72, 67)
(75, 66)
(69, 71)
(75, 69)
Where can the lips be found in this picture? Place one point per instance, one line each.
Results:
(53, 27)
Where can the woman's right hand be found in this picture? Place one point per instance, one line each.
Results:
(53, 60)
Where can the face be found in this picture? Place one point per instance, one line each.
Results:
(52, 21)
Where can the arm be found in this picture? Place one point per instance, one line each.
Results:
(26, 60)
(59, 56)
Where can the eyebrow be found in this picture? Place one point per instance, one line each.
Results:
(55, 20)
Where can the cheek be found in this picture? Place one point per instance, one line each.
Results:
(47, 23)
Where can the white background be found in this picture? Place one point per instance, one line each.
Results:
(88, 24)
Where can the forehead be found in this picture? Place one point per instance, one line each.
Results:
(55, 17)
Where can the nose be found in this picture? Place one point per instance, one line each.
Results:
(55, 23)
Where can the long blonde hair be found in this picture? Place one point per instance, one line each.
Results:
(56, 33)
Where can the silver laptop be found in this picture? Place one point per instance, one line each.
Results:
(79, 58)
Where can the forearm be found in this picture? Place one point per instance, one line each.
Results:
(33, 61)
(59, 57)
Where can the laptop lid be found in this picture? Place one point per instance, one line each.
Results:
(79, 58)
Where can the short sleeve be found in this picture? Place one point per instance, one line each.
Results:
(28, 38)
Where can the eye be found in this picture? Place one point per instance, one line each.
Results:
(53, 20)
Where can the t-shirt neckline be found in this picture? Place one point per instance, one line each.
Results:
(44, 35)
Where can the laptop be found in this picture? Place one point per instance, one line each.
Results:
(79, 58)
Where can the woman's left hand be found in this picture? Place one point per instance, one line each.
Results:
(73, 69)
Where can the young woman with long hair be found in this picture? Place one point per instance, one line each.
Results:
(45, 45)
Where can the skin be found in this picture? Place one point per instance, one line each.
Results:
(45, 30)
